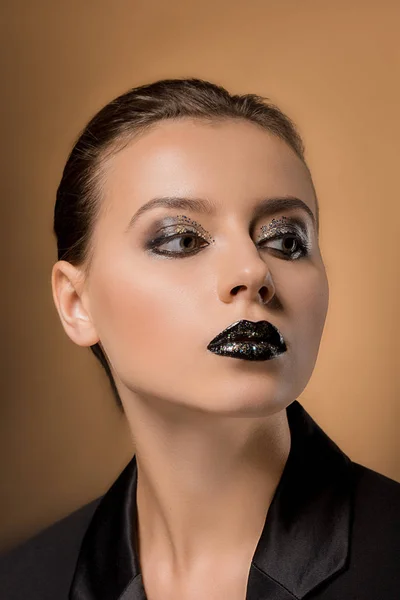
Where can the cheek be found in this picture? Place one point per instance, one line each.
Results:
(130, 310)
(308, 300)
(145, 316)
(305, 297)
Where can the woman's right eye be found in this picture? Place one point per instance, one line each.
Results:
(181, 244)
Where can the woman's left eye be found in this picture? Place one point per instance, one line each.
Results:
(294, 246)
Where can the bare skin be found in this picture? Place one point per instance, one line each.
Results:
(211, 433)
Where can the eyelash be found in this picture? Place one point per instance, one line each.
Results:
(302, 243)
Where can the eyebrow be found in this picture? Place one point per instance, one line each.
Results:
(266, 208)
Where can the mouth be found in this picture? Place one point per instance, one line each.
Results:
(249, 340)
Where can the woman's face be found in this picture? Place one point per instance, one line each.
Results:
(155, 314)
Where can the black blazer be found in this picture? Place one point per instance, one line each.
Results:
(332, 532)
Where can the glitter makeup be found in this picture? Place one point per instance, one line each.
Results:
(183, 219)
(288, 227)
(247, 340)
(180, 226)
(284, 227)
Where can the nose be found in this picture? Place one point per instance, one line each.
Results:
(245, 273)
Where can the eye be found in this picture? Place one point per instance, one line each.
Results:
(182, 244)
(291, 245)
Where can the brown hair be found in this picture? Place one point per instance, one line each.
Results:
(78, 196)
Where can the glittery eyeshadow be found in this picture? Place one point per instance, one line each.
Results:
(184, 220)
(275, 224)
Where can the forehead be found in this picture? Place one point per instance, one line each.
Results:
(233, 162)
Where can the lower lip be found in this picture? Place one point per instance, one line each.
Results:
(246, 350)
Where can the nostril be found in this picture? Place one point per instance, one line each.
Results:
(264, 294)
(236, 289)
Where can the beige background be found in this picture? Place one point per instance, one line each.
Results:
(334, 67)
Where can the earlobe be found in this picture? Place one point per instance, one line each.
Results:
(69, 298)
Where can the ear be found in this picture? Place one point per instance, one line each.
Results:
(72, 304)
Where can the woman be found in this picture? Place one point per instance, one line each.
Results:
(187, 227)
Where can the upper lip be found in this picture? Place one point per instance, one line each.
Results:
(245, 330)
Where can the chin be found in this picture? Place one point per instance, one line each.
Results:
(258, 397)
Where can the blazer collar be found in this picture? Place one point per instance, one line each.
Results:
(304, 542)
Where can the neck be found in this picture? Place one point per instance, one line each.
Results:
(205, 484)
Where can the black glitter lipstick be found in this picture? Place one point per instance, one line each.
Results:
(249, 340)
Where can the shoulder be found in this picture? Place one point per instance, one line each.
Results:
(371, 571)
(375, 538)
(43, 566)
(376, 515)
(376, 500)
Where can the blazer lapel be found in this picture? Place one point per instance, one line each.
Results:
(305, 540)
